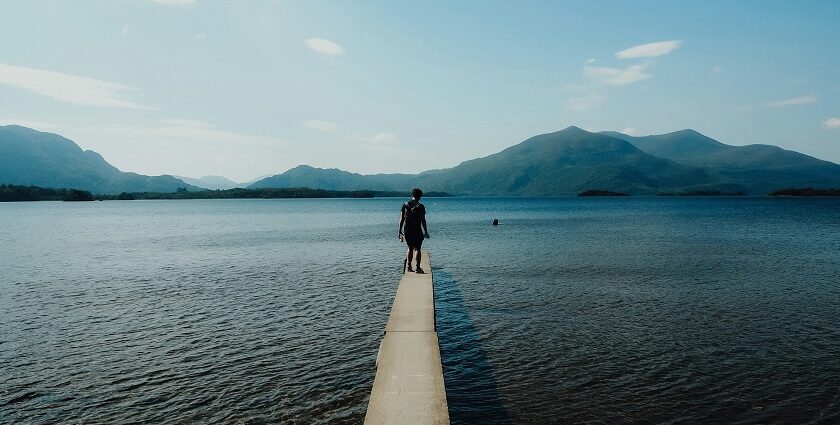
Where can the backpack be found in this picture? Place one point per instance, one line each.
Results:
(413, 215)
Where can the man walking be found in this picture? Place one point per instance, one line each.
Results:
(413, 227)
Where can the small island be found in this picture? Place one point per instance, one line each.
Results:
(806, 192)
(599, 192)
(702, 193)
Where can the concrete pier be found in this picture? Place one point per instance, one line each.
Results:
(408, 388)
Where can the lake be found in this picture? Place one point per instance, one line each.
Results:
(572, 310)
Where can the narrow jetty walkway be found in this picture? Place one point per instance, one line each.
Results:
(408, 388)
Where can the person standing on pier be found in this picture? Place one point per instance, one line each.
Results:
(413, 228)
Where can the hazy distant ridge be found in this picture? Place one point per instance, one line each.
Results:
(211, 182)
(30, 157)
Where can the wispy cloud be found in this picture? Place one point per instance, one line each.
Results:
(177, 131)
(33, 124)
(200, 36)
(629, 131)
(801, 100)
(176, 3)
(382, 143)
(384, 138)
(202, 131)
(172, 130)
(379, 138)
(324, 46)
(601, 75)
(68, 88)
(831, 123)
(319, 125)
(584, 103)
(600, 78)
(649, 50)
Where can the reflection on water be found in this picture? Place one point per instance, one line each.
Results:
(471, 390)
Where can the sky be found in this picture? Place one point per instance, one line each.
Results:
(248, 89)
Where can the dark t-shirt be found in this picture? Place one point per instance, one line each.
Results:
(413, 217)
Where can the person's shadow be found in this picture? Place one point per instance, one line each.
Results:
(471, 389)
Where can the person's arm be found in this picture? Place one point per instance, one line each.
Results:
(402, 221)
(425, 228)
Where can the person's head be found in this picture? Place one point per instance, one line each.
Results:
(416, 193)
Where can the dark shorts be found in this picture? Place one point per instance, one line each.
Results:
(414, 240)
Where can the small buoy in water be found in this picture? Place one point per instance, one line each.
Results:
(495, 221)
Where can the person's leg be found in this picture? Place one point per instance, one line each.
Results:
(418, 259)
(408, 257)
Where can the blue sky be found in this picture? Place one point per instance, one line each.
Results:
(252, 88)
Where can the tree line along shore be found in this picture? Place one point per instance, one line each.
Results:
(18, 193)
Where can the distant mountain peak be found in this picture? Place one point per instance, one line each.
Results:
(689, 131)
(307, 168)
(573, 129)
(19, 128)
(302, 167)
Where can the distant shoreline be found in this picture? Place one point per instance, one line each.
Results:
(16, 193)
(805, 192)
(20, 193)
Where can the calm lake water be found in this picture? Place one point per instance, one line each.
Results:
(628, 310)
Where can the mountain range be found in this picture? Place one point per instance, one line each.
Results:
(573, 160)
(560, 163)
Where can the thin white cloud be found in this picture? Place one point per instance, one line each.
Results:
(33, 124)
(831, 123)
(68, 88)
(125, 30)
(801, 100)
(200, 36)
(649, 50)
(324, 46)
(319, 125)
(629, 131)
(378, 138)
(590, 61)
(584, 103)
(201, 131)
(180, 131)
(384, 138)
(601, 75)
(176, 3)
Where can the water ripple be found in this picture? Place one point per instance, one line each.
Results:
(572, 311)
